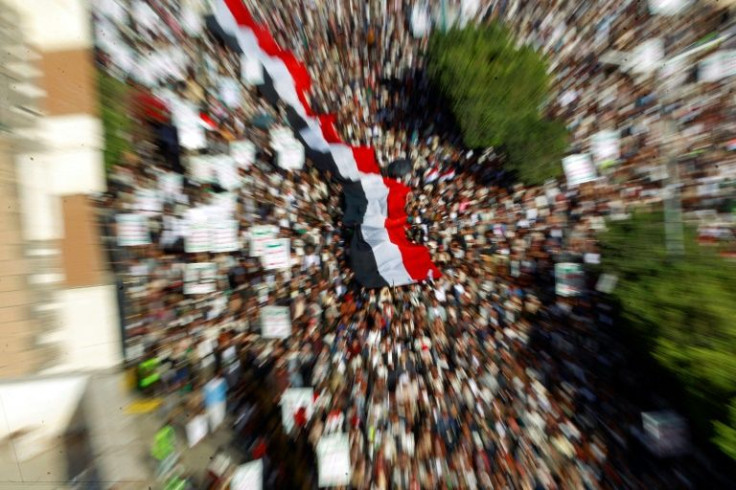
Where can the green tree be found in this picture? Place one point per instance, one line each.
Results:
(496, 91)
(116, 120)
(682, 312)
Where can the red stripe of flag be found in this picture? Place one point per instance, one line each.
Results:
(365, 159)
(416, 258)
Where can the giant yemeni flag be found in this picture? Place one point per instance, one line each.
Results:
(381, 254)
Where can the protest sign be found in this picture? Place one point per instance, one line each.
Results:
(333, 455)
(224, 236)
(223, 205)
(215, 392)
(604, 145)
(197, 239)
(421, 22)
(201, 168)
(292, 400)
(200, 278)
(196, 430)
(569, 279)
(280, 136)
(170, 185)
(148, 202)
(647, 56)
(275, 322)
(185, 116)
(226, 172)
(248, 476)
(291, 155)
(251, 70)
(244, 153)
(606, 283)
(259, 235)
(276, 254)
(719, 65)
(229, 90)
(578, 169)
(668, 7)
(132, 230)
(665, 433)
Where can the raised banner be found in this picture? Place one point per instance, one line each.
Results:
(244, 153)
(569, 279)
(170, 185)
(604, 145)
(148, 202)
(201, 168)
(248, 476)
(717, 66)
(275, 322)
(333, 455)
(251, 71)
(215, 396)
(276, 254)
(291, 155)
(259, 235)
(293, 400)
(200, 278)
(226, 171)
(196, 429)
(579, 169)
(197, 238)
(224, 236)
(132, 230)
(185, 116)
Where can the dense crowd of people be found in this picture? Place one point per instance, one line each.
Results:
(482, 378)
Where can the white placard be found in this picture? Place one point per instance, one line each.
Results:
(224, 236)
(719, 65)
(291, 401)
(197, 429)
(275, 322)
(251, 70)
(333, 454)
(223, 205)
(244, 153)
(170, 185)
(280, 136)
(185, 116)
(200, 278)
(226, 171)
(569, 279)
(420, 21)
(604, 146)
(606, 283)
(132, 230)
(201, 168)
(197, 238)
(259, 235)
(578, 169)
(229, 90)
(666, 434)
(276, 254)
(248, 476)
(647, 56)
(291, 155)
(215, 402)
(148, 202)
(668, 7)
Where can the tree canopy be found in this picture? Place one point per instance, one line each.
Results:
(682, 312)
(496, 91)
(115, 118)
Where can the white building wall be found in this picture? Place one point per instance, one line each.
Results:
(88, 336)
